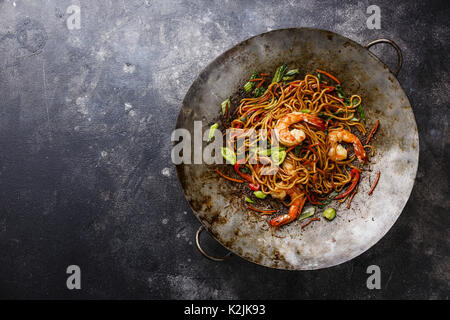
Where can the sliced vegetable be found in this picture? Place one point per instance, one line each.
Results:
(328, 200)
(360, 108)
(260, 194)
(375, 183)
(307, 212)
(351, 198)
(329, 214)
(290, 75)
(248, 87)
(297, 150)
(278, 155)
(237, 168)
(226, 106)
(247, 199)
(227, 177)
(372, 132)
(212, 130)
(311, 220)
(329, 75)
(244, 169)
(259, 91)
(361, 113)
(305, 111)
(268, 152)
(263, 152)
(229, 155)
(324, 116)
(319, 76)
(260, 83)
(261, 210)
(340, 92)
(355, 178)
(279, 74)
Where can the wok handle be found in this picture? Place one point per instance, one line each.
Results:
(197, 242)
(396, 47)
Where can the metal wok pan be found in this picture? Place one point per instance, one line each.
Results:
(218, 204)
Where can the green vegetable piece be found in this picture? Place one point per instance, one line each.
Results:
(361, 113)
(259, 91)
(247, 199)
(319, 76)
(279, 73)
(340, 92)
(292, 72)
(248, 87)
(278, 155)
(297, 150)
(268, 152)
(226, 106)
(323, 115)
(263, 152)
(260, 194)
(305, 111)
(244, 169)
(212, 129)
(290, 75)
(229, 155)
(360, 109)
(307, 212)
(327, 201)
(254, 75)
(329, 214)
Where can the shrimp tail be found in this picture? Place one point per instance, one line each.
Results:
(317, 122)
(294, 209)
(359, 151)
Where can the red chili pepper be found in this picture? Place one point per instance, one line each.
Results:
(355, 178)
(252, 185)
(246, 176)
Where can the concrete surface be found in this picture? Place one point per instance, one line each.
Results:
(85, 171)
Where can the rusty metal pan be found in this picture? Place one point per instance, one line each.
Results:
(218, 203)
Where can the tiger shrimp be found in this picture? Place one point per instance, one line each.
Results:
(294, 193)
(294, 209)
(295, 136)
(338, 152)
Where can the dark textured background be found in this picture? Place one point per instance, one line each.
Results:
(85, 171)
